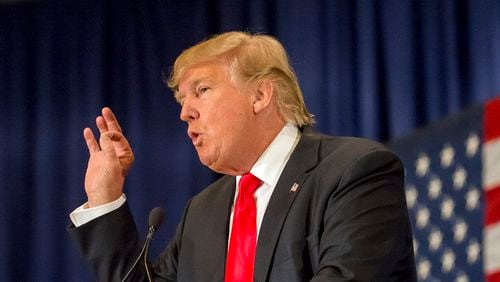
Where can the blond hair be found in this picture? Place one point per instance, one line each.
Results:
(253, 58)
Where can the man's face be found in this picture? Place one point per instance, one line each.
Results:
(219, 114)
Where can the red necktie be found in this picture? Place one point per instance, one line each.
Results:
(241, 253)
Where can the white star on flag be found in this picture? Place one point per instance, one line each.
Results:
(460, 231)
(423, 269)
(447, 207)
(459, 177)
(411, 196)
(423, 162)
(435, 186)
(473, 250)
(472, 198)
(447, 154)
(448, 260)
(471, 145)
(462, 277)
(423, 215)
(435, 239)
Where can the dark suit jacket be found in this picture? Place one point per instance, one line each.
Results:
(346, 221)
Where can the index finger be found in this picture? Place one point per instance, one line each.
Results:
(90, 140)
(111, 120)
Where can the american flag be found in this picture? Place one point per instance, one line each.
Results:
(453, 195)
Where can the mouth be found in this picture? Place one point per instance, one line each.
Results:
(195, 137)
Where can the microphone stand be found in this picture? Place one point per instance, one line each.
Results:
(144, 252)
(155, 218)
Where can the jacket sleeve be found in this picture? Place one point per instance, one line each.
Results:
(110, 245)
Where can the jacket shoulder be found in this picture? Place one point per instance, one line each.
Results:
(348, 146)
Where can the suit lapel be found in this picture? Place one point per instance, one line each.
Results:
(222, 203)
(301, 161)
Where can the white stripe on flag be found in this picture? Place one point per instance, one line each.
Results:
(491, 163)
(492, 248)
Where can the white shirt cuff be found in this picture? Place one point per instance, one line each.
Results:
(82, 215)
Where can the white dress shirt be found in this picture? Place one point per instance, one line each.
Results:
(268, 168)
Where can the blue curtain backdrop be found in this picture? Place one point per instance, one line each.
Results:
(376, 69)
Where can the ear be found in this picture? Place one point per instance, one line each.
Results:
(263, 96)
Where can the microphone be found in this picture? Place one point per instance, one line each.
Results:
(155, 219)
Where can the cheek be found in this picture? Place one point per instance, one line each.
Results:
(234, 132)
(228, 122)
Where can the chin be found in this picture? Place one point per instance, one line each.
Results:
(215, 167)
(206, 161)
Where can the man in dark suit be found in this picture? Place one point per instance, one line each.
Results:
(324, 209)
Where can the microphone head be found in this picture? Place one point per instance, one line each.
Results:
(156, 218)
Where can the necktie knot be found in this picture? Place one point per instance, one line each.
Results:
(249, 183)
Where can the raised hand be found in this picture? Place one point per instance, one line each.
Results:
(109, 162)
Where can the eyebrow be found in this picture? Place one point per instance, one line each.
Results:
(200, 80)
(179, 94)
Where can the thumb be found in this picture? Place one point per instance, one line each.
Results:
(107, 145)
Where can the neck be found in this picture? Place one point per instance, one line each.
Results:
(263, 138)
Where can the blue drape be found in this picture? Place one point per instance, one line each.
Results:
(376, 69)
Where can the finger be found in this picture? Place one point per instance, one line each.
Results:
(119, 141)
(111, 121)
(101, 124)
(90, 140)
(107, 145)
(115, 136)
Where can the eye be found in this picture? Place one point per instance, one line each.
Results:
(202, 90)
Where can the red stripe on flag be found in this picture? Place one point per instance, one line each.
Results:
(493, 277)
(492, 194)
(492, 206)
(492, 120)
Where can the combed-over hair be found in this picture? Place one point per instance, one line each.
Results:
(253, 58)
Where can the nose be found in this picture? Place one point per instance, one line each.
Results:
(189, 111)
